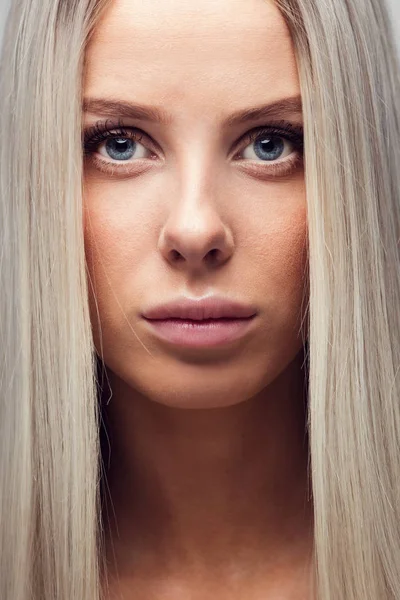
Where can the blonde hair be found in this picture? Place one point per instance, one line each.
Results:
(50, 455)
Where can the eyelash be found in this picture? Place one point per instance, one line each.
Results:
(100, 132)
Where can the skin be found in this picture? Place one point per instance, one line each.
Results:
(209, 495)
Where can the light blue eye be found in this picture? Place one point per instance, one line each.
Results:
(124, 148)
(269, 148)
(120, 148)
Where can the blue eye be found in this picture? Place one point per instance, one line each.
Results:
(123, 148)
(271, 144)
(268, 147)
(276, 149)
(121, 142)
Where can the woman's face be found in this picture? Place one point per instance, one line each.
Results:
(192, 205)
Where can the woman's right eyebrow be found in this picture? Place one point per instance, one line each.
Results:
(110, 107)
(118, 108)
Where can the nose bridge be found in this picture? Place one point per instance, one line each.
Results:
(195, 226)
(197, 180)
(196, 164)
(196, 175)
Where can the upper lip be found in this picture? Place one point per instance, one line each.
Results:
(211, 307)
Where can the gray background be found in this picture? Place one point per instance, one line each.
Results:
(394, 7)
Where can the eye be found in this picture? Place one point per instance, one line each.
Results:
(120, 144)
(272, 143)
(272, 151)
(123, 148)
(268, 147)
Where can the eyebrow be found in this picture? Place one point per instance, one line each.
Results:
(116, 108)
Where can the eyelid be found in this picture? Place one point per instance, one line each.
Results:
(100, 132)
(282, 129)
(292, 131)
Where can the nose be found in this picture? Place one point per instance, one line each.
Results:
(194, 237)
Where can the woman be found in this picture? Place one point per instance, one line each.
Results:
(200, 346)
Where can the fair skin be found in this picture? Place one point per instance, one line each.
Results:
(208, 480)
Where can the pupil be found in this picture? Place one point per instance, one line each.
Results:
(267, 145)
(120, 148)
(269, 148)
(120, 142)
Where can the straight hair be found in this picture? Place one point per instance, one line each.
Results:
(51, 528)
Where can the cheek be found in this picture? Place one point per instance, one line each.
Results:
(281, 269)
(114, 243)
(291, 271)
(117, 252)
(288, 255)
(109, 254)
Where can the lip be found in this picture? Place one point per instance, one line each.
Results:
(205, 322)
(210, 307)
(200, 333)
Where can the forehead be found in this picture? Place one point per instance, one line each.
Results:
(207, 54)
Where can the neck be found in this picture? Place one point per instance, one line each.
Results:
(191, 488)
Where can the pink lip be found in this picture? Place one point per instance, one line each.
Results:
(200, 333)
(210, 307)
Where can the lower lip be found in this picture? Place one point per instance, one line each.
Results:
(199, 334)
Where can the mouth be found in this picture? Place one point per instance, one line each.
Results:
(191, 333)
(201, 321)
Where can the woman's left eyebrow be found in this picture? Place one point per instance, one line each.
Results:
(284, 107)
